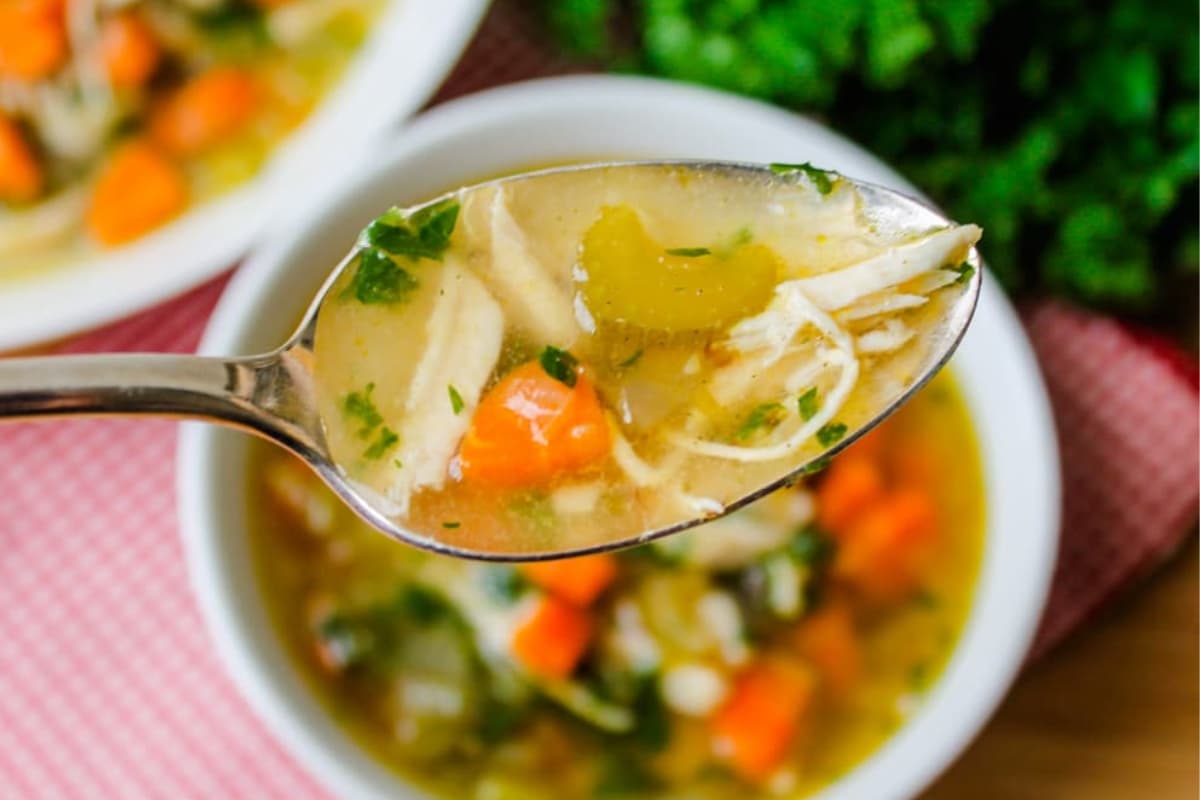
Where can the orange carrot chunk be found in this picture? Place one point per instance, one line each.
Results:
(852, 484)
(577, 580)
(882, 552)
(33, 38)
(755, 726)
(553, 639)
(20, 174)
(136, 191)
(531, 427)
(205, 111)
(129, 50)
(827, 640)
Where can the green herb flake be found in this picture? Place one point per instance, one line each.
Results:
(421, 605)
(503, 583)
(740, 237)
(811, 547)
(385, 441)
(456, 401)
(379, 281)
(831, 434)
(451, 525)
(806, 404)
(764, 417)
(689, 251)
(423, 233)
(360, 406)
(814, 467)
(560, 365)
(965, 272)
(633, 359)
(819, 177)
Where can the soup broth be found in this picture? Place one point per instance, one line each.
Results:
(766, 653)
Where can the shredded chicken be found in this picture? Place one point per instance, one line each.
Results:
(464, 335)
(523, 285)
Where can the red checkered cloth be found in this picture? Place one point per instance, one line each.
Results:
(109, 687)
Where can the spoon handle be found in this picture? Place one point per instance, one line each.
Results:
(268, 394)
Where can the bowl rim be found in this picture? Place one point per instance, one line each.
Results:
(421, 39)
(984, 662)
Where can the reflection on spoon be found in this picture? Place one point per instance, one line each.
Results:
(583, 357)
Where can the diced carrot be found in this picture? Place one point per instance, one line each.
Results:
(827, 640)
(129, 50)
(553, 639)
(20, 174)
(531, 427)
(757, 723)
(205, 111)
(577, 580)
(33, 38)
(852, 484)
(882, 551)
(137, 190)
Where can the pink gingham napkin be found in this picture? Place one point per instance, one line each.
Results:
(109, 687)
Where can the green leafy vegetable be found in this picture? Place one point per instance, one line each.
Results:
(819, 177)
(423, 233)
(831, 434)
(379, 280)
(421, 605)
(360, 406)
(560, 365)
(811, 547)
(1072, 141)
(806, 404)
(503, 583)
(689, 251)
(456, 401)
(385, 441)
(765, 417)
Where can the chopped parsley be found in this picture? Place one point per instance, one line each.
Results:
(740, 237)
(811, 547)
(831, 434)
(451, 525)
(456, 401)
(806, 404)
(423, 233)
(819, 177)
(379, 280)
(965, 271)
(503, 583)
(421, 605)
(360, 406)
(560, 365)
(814, 467)
(689, 251)
(766, 416)
(633, 359)
(385, 441)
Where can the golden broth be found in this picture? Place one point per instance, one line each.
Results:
(312, 555)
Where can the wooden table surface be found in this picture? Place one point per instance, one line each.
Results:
(1111, 715)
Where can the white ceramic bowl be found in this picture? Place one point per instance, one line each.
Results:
(410, 50)
(570, 118)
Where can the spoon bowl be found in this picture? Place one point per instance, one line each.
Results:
(277, 395)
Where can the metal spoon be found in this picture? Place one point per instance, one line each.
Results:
(273, 395)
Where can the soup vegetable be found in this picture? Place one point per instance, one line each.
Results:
(765, 653)
(115, 116)
(587, 353)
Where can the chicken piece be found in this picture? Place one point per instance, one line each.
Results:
(514, 274)
(464, 334)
